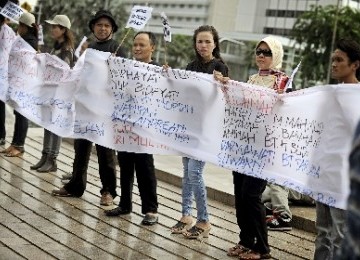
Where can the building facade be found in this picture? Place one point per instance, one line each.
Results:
(239, 23)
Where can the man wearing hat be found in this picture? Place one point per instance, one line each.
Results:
(103, 26)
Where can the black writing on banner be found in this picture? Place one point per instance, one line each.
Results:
(141, 99)
(256, 137)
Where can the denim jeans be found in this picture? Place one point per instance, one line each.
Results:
(193, 184)
(330, 224)
(51, 143)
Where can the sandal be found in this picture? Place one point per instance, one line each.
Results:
(252, 255)
(180, 227)
(196, 232)
(237, 250)
(14, 153)
(7, 150)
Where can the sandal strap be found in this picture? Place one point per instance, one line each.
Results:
(195, 231)
(179, 226)
(237, 250)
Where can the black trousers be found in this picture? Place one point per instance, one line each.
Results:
(2, 120)
(250, 212)
(20, 130)
(143, 165)
(107, 170)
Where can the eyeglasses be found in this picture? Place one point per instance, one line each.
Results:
(266, 53)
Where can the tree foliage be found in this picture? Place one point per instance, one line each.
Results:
(314, 31)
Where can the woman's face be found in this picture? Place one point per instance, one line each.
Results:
(57, 32)
(263, 56)
(205, 45)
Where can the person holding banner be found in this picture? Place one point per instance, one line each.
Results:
(103, 26)
(64, 49)
(28, 30)
(250, 211)
(330, 221)
(207, 48)
(3, 20)
(143, 164)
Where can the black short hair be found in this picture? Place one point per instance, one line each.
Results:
(152, 36)
(352, 50)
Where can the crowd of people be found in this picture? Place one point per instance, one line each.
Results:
(260, 206)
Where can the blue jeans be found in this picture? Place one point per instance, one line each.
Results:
(193, 184)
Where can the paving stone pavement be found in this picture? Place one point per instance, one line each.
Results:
(36, 225)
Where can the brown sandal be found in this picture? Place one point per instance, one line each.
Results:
(8, 150)
(14, 153)
(237, 250)
(252, 255)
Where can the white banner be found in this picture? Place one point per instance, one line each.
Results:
(300, 140)
(139, 16)
(11, 11)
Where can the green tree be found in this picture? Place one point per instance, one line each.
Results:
(79, 13)
(314, 31)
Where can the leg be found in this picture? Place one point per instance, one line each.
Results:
(145, 174)
(187, 194)
(50, 164)
(107, 169)
(250, 212)
(279, 200)
(2, 120)
(77, 184)
(45, 150)
(323, 247)
(196, 181)
(127, 164)
(337, 234)
(20, 130)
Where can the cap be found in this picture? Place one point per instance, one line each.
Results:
(60, 19)
(100, 14)
(276, 49)
(27, 19)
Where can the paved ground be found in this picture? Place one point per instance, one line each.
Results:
(36, 225)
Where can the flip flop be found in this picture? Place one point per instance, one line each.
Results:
(14, 153)
(8, 150)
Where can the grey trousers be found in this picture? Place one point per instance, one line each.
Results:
(52, 143)
(277, 198)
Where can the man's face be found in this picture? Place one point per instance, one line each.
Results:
(341, 67)
(142, 48)
(102, 28)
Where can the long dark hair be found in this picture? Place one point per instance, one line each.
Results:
(69, 38)
(212, 30)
